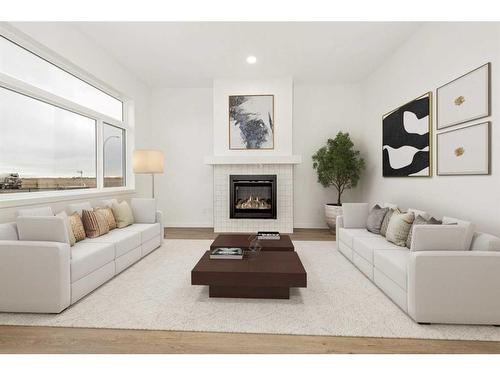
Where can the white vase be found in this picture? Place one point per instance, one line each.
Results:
(331, 213)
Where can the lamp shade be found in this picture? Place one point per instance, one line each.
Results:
(147, 161)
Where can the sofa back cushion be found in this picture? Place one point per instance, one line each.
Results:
(42, 228)
(419, 220)
(71, 236)
(485, 242)
(438, 238)
(399, 227)
(144, 210)
(355, 215)
(392, 206)
(95, 223)
(75, 221)
(109, 202)
(420, 213)
(469, 227)
(123, 214)
(79, 207)
(39, 211)
(8, 232)
(375, 219)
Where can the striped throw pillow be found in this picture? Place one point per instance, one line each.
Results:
(108, 214)
(95, 223)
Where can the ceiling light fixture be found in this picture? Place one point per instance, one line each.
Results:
(251, 59)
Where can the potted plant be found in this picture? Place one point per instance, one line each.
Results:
(338, 164)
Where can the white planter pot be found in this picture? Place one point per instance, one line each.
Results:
(331, 213)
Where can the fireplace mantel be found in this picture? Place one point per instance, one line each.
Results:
(252, 159)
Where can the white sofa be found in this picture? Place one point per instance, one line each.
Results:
(47, 276)
(438, 285)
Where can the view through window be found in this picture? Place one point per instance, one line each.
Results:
(113, 156)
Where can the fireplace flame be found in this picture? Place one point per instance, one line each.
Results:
(253, 203)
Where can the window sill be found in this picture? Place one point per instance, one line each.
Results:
(26, 199)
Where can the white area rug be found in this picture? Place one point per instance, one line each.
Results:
(156, 293)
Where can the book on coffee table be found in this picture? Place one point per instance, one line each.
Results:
(226, 253)
(268, 235)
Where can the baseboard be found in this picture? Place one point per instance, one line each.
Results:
(188, 225)
(310, 226)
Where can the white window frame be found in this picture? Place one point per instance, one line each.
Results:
(13, 84)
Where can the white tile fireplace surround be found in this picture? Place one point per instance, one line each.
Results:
(284, 218)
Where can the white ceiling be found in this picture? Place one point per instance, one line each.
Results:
(192, 54)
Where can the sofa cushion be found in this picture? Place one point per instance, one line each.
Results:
(463, 223)
(78, 207)
(147, 231)
(39, 211)
(375, 218)
(123, 241)
(123, 214)
(69, 229)
(399, 226)
(387, 218)
(421, 213)
(109, 202)
(347, 235)
(393, 264)
(87, 257)
(144, 210)
(419, 220)
(8, 232)
(485, 242)
(365, 246)
(108, 215)
(438, 238)
(75, 221)
(355, 215)
(95, 223)
(42, 228)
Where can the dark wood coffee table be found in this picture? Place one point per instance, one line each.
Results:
(268, 274)
(243, 241)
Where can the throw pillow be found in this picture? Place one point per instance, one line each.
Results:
(419, 220)
(123, 214)
(71, 235)
(77, 226)
(95, 223)
(375, 219)
(108, 214)
(387, 218)
(399, 226)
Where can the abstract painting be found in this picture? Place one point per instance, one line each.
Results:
(406, 139)
(464, 99)
(464, 151)
(251, 122)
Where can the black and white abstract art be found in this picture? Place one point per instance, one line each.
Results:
(406, 136)
(251, 122)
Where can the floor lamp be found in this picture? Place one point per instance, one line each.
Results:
(148, 162)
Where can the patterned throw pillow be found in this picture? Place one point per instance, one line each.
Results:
(77, 226)
(69, 229)
(95, 223)
(123, 214)
(387, 218)
(375, 219)
(108, 214)
(399, 226)
(419, 220)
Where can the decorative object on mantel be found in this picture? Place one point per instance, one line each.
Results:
(251, 122)
(148, 162)
(338, 164)
(464, 151)
(465, 98)
(406, 139)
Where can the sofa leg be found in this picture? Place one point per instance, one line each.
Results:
(424, 323)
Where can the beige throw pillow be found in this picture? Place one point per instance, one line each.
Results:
(123, 214)
(71, 235)
(108, 214)
(95, 223)
(77, 226)
(387, 218)
(399, 227)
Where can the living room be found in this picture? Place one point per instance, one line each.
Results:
(344, 173)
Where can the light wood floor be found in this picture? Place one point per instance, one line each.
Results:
(18, 339)
(299, 234)
(88, 340)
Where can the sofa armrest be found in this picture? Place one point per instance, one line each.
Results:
(339, 222)
(454, 287)
(34, 276)
(159, 219)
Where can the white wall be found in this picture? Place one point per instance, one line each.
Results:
(281, 88)
(319, 113)
(436, 54)
(181, 126)
(72, 45)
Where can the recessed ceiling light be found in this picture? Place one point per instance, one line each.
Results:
(251, 59)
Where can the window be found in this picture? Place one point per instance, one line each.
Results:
(113, 156)
(25, 66)
(57, 131)
(43, 147)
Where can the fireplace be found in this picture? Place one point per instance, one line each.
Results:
(252, 196)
